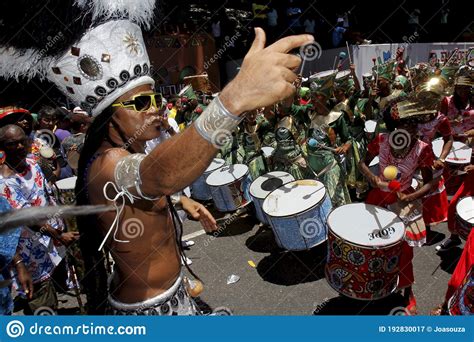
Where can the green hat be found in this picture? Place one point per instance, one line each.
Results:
(360, 107)
(401, 80)
(323, 83)
(385, 70)
(304, 91)
(448, 73)
(188, 92)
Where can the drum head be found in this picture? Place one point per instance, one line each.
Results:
(264, 185)
(366, 225)
(267, 151)
(294, 198)
(374, 161)
(465, 209)
(460, 153)
(67, 183)
(322, 74)
(370, 126)
(227, 174)
(215, 164)
(342, 74)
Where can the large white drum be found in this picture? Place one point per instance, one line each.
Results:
(465, 216)
(229, 185)
(263, 186)
(66, 188)
(199, 189)
(297, 213)
(365, 243)
(460, 153)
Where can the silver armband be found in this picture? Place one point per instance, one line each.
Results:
(127, 174)
(216, 123)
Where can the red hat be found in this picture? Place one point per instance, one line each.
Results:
(5, 111)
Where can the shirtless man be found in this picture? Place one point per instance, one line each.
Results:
(148, 267)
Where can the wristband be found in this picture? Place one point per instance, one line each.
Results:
(216, 123)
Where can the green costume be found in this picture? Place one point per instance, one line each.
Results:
(288, 157)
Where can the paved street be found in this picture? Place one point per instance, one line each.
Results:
(289, 283)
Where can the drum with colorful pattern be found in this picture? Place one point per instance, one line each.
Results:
(297, 214)
(465, 216)
(229, 187)
(462, 301)
(364, 247)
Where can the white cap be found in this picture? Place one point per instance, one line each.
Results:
(108, 61)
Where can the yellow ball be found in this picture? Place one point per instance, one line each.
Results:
(390, 172)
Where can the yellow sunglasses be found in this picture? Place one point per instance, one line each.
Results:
(142, 102)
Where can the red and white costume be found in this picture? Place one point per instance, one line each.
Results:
(461, 120)
(420, 156)
(435, 203)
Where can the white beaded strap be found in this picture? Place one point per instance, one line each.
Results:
(127, 175)
(216, 123)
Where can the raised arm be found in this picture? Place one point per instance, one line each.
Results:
(266, 77)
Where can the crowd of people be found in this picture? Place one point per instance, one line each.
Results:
(121, 146)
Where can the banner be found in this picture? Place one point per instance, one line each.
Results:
(363, 55)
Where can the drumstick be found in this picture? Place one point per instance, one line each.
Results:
(348, 52)
(335, 61)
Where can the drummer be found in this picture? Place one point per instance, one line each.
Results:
(435, 203)
(329, 129)
(347, 94)
(466, 189)
(409, 157)
(458, 107)
(288, 156)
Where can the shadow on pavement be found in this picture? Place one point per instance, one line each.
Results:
(342, 305)
(292, 268)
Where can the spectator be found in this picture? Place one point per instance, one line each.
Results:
(310, 25)
(338, 33)
(9, 259)
(23, 184)
(272, 16)
(72, 145)
(414, 21)
(63, 123)
(293, 12)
